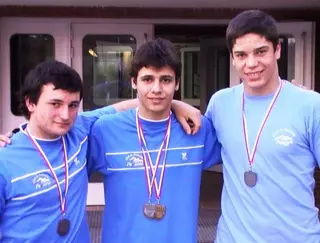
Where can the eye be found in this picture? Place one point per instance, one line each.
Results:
(167, 80)
(74, 106)
(147, 80)
(240, 55)
(261, 52)
(55, 105)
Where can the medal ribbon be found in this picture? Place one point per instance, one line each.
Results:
(148, 161)
(252, 154)
(62, 199)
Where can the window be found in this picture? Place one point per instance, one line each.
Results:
(26, 51)
(287, 59)
(106, 69)
(191, 72)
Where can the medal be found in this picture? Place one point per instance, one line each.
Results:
(153, 211)
(250, 177)
(63, 224)
(160, 211)
(63, 227)
(149, 210)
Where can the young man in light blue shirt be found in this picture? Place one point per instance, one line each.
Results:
(269, 132)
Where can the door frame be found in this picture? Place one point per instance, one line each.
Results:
(9, 27)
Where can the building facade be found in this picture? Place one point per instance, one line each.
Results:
(99, 42)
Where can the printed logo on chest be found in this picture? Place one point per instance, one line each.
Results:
(284, 137)
(76, 161)
(41, 180)
(134, 160)
(184, 156)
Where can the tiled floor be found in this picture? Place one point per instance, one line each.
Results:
(209, 210)
(207, 221)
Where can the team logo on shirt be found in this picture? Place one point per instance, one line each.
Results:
(284, 137)
(134, 160)
(184, 156)
(41, 180)
(76, 161)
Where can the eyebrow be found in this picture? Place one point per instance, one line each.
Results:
(161, 77)
(61, 101)
(147, 76)
(167, 76)
(256, 49)
(261, 48)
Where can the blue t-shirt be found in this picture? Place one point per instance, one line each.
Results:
(281, 207)
(29, 202)
(114, 150)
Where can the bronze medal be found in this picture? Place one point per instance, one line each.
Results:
(63, 227)
(160, 211)
(149, 210)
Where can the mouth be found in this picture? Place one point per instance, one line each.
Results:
(63, 124)
(156, 99)
(254, 75)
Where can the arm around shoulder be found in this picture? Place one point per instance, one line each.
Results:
(5, 187)
(126, 105)
(188, 116)
(212, 147)
(96, 152)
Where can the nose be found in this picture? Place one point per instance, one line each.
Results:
(156, 87)
(251, 61)
(64, 112)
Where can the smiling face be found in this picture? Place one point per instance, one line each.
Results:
(256, 62)
(54, 114)
(155, 90)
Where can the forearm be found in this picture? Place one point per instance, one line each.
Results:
(126, 105)
(176, 105)
(188, 116)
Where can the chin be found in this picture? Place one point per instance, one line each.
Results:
(61, 132)
(256, 84)
(158, 110)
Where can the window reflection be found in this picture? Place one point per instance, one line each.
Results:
(287, 59)
(191, 72)
(26, 52)
(106, 69)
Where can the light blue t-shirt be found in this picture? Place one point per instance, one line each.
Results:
(281, 207)
(114, 150)
(29, 202)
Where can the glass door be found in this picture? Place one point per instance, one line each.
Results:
(102, 54)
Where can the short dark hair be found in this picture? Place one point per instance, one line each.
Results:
(252, 21)
(157, 53)
(60, 75)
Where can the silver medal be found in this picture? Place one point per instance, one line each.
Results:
(250, 178)
(149, 210)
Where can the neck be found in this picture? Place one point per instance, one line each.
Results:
(151, 115)
(38, 133)
(269, 88)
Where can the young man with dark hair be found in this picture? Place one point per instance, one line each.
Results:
(270, 142)
(43, 176)
(152, 168)
(39, 179)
